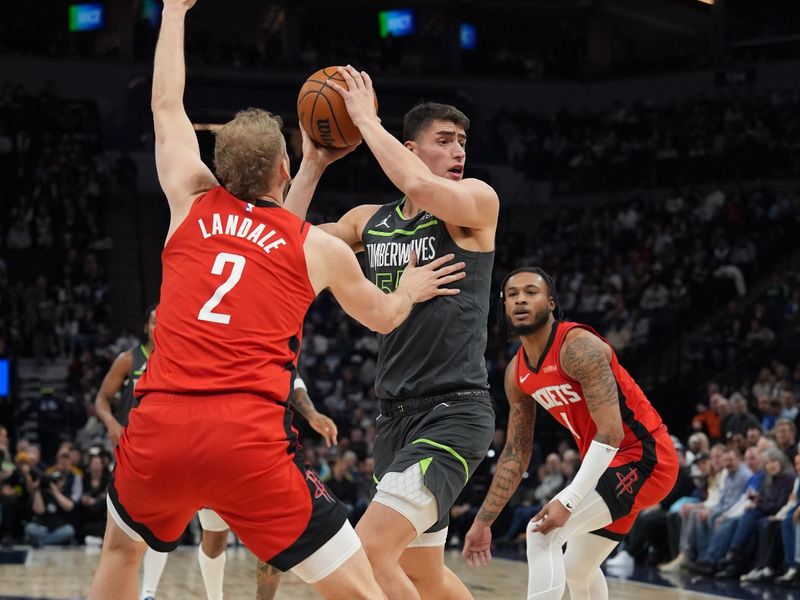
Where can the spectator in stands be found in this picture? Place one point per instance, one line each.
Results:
(53, 511)
(16, 498)
(788, 399)
(93, 501)
(710, 419)
(699, 524)
(71, 476)
(763, 384)
(776, 539)
(725, 524)
(739, 420)
(697, 443)
(785, 433)
(708, 476)
(772, 496)
(770, 409)
(6, 459)
(341, 483)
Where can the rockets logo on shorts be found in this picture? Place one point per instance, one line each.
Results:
(320, 491)
(626, 481)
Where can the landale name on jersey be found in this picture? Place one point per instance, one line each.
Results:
(556, 395)
(243, 229)
(395, 254)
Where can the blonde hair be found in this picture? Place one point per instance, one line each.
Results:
(247, 152)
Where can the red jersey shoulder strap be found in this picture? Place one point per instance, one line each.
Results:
(564, 328)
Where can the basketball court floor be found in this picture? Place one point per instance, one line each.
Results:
(65, 573)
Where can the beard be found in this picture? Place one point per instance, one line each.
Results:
(539, 321)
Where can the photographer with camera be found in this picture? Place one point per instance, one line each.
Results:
(51, 505)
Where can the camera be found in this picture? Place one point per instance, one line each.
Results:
(47, 478)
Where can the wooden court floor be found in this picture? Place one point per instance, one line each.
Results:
(64, 574)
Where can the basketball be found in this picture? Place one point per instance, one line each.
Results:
(322, 111)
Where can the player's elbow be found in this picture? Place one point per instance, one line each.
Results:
(420, 186)
(164, 105)
(387, 325)
(611, 435)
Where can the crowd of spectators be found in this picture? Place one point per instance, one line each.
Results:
(645, 144)
(634, 269)
(53, 290)
(740, 332)
(734, 511)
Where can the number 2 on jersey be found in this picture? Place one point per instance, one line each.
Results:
(207, 312)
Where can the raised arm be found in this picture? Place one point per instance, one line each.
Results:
(181, 172)
(315, 160)
(508, 472)
(112, 382)
(468, 203)
(587, 359)
(331, 264)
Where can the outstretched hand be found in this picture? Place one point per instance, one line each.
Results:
(322, 155)
(359, 97)
(478, 545)
(424, 283)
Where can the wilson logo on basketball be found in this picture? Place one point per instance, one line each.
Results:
(324, 130)
(626, 482)
(320, 491)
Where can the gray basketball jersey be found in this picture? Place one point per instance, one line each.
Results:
(440, 347)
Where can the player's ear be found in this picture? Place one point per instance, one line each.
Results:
(411, 145)
(285, 173)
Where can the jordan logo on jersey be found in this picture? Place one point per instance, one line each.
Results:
(626, 482)
(556, 395)
(384, 223)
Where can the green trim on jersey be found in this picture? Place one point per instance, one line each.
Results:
(448, 449)
(430, 223)
(144, 350)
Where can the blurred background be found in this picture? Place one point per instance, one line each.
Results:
(646, 154)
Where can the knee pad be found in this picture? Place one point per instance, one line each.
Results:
(406, 493)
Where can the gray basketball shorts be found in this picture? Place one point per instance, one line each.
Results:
(448, 435)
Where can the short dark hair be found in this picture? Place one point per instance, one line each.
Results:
(419, 117)
(551, 288)
(149, 310)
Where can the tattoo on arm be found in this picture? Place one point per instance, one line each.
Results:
(515, 456)
(584, 359)
(302, 402)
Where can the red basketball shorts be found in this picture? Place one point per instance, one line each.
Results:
(234, 454)
(638, 478)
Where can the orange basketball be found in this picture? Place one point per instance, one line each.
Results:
(322, 111)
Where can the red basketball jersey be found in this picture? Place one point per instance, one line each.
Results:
(563, 397)
(234, 294)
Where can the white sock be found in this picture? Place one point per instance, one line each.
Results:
(154, 563)
(213, 570)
